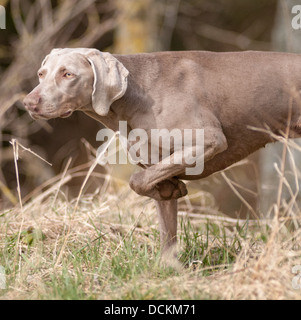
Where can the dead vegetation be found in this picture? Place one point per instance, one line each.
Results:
(105, 244)
(109, 239)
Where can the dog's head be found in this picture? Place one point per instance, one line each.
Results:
(71, 79)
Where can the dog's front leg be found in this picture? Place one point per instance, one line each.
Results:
(167, 214)
(160, 182)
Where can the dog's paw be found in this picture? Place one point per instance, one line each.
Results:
(169, 259)
(164, 190)
(171, 189)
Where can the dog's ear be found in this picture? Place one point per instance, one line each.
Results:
(110, 77)
(110, 80)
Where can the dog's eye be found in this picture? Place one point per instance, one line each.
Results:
(68, 75)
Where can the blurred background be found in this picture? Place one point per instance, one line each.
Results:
(34, 27)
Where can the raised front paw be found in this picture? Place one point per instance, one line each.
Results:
(165, 190)
(171, 189)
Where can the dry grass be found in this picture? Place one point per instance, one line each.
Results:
(87, 248)
(106, 245)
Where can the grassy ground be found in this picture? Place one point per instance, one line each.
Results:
(107, 247)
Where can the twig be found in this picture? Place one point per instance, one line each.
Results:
(97, 160)
(29, 150)
(283, 158)
(228, 181)
(223, 219)
(16, 157)
(63, 176)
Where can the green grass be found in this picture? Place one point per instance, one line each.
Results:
(108, 248)
(197, 245)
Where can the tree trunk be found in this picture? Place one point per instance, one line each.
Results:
(137, 31)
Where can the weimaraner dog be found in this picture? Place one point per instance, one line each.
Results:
(226, 94)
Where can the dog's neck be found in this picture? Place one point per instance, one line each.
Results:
(111, 120)
(123, 109)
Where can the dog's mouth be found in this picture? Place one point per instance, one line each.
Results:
(36, 116)
(39, 116)
(66, 114)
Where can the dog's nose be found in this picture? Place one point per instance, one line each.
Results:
(31, 102)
